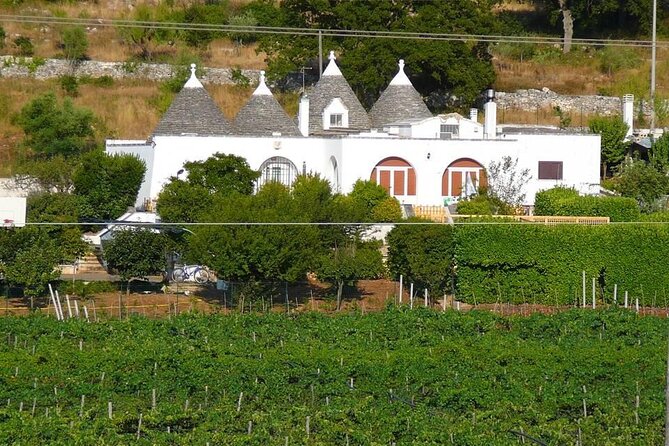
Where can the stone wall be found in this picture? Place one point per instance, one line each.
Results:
(11, 66)
(528, 100)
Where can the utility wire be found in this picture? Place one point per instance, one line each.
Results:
(490, 38)
(275, 223)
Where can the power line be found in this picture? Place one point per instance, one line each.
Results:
(314, 32)
(173, 225)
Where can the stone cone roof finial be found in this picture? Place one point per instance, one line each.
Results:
(193, 81)
(401, 77)
(332, 68)
(262, 86)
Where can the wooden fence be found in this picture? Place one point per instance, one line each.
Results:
(441, 214)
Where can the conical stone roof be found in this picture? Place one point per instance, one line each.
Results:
(399, 102)
(192, 112)
(333, 85)
(263, 115)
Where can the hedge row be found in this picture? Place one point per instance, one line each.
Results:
(526, 263)
(566, 201)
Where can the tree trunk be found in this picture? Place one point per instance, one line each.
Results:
(568, 25)
(340, 289)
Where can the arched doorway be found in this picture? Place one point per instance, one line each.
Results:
(455, 178)
(396, 175)
(277, 170)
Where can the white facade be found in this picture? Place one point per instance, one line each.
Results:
(424, 160)
(347, 159)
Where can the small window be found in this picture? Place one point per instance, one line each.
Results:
(550, 170)
(447, 131)
(336, 120)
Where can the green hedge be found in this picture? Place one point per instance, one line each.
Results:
(566, 201)
(526, 263)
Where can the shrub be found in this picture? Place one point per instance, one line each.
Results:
(566, 201)
(3, 35)
(69, 84)
(523, 262)
(24, 46)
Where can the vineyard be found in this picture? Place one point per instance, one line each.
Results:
(393, 377)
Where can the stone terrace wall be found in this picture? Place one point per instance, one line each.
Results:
(22, 67)
(530, 100)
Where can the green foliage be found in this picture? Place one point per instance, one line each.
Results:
(348, 264)
(566, 201)
(74, 44)
(642, 182)
(564, 117)
(46, 175)
(256, 253)
(206, 14)
(374, 201)
(612, 131)
(135, 253)
(506, 182)
(218, 176)
(28, 257)
(660, 216)
(480, 374)
(520, 263)
(24, 46)
(69, 84)
(3, 35)
(107, 184)
(55, 128)
(659, 154)
(459, 70)
(246, 19)
(483, 204)
(613, 59)
(33, 268)
(238, 78)
(423, 255)
(144, 38)
(60, 208)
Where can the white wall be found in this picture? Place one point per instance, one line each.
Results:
(357, 156)
(579, 153)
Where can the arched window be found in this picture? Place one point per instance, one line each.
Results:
(461, 174)
(334, 174)
(279, 170)
(396, 175)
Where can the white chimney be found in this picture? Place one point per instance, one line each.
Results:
(474, 114)
(490, 112)
(628, 113)
(303, 115)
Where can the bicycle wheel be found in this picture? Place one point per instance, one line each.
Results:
(178, 275)
(201, 275)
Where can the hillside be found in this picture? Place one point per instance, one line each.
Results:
(130, 109)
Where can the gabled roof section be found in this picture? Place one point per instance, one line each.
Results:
(263, 115)
(399, 102)
(192, 112)
(333, 85)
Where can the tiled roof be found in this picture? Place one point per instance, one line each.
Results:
(192, 112)
(333, 85)
(263, 115)
(399, 102)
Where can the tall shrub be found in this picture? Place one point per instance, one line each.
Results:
(526, 262)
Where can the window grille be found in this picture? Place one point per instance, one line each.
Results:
(336, 120)
(277, 170)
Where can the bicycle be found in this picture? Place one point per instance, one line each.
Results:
(191, 273)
